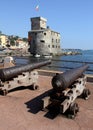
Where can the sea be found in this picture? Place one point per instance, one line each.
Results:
(63, 63)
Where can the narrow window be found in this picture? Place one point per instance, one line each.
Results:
(56, 40)
(52, 40)
(49, 46)
(42, 41)
(52, 46)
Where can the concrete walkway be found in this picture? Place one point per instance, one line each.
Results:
(21, 110)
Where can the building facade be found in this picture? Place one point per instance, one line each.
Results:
(20, 43)
(3, 40)
(42, 39)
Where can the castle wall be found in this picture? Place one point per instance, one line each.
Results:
(43, 41)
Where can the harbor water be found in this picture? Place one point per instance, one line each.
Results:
(58, 62)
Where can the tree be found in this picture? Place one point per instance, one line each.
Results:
(12, 42)
(16, 38)
(25, 39)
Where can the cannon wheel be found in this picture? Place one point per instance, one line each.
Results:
(72, 111)
(86, 93)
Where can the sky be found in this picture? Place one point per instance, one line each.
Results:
(73, 19)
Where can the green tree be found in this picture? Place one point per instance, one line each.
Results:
(16, 38)
(25, 39)
(12, 42)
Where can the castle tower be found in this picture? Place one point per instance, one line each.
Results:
(42, 40)
(38, 23)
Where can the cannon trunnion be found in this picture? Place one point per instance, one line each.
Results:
(67, 87)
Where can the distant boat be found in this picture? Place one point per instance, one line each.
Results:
(48, 56)
(37, 55)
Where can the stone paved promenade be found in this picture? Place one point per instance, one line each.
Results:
(20, 110)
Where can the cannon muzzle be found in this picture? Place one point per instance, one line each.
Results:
(62, 81)
(9, 73)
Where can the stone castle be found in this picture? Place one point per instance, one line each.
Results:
(42, 40)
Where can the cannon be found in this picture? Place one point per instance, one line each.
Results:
(8, 73)
(62, 81)
(67, 87)
(25, 75)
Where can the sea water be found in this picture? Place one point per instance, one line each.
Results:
(86, 56)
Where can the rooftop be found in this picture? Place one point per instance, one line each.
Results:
(40, 18)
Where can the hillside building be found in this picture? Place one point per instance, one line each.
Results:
(3, 40)
(43, 40)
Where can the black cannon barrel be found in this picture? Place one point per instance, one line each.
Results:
(8, 73)
(62, 81)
